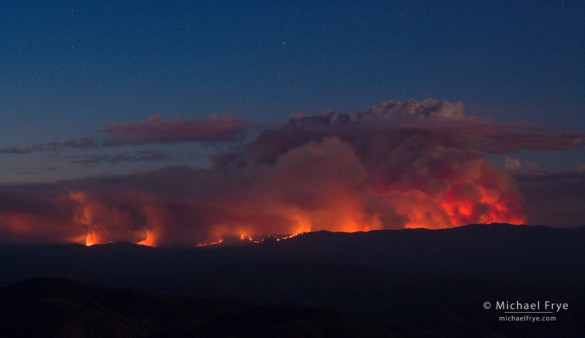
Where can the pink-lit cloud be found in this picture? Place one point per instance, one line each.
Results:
(215, 128)
(89, 160)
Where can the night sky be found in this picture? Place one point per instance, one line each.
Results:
(101, 90)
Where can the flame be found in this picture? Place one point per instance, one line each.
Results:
(91, 238)
(291, 236)
(251, 239)
(210, 243)
(149, 240)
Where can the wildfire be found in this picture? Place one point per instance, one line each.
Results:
(418, 209)
(291, 236)
(246, 238)
(211, 243)
(253, 239)
(395, 165)
(91, 238)
(466, 197)
(150, 239)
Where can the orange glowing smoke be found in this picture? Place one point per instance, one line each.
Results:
(318, 186)
(474, 192)
(125, 220)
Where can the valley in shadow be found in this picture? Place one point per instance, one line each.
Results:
(400, 282)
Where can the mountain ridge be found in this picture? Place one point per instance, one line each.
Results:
(432, 280)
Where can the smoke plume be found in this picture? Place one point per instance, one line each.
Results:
(395, 165)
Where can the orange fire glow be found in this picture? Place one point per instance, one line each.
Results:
(150, 239)
(419, 209)
(210, 243)
(480, 194)
(91, 239)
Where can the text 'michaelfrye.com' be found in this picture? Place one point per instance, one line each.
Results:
(517, 311)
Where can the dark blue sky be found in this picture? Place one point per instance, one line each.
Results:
(69, 68)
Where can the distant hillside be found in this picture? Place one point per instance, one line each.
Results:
(479, 250)
(56, 307)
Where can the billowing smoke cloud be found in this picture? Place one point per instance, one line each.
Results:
(396, 165)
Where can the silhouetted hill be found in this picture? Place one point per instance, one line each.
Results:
(52, 307)
(430, 280)
(478, 250)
